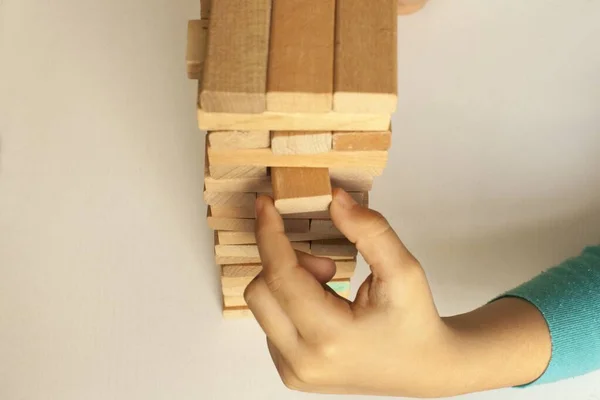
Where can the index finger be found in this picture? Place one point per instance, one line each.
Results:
(300, 295)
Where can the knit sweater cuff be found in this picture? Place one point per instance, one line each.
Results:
(568, 296)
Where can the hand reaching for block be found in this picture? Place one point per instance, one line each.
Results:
(390, 340)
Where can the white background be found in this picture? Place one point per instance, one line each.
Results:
(107, 284)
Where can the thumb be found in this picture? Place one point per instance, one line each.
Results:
(375, 239)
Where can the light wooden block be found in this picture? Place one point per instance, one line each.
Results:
(237, 171)
(300, 190)
(344, 270)
(249, 212)
(341, 287)
(251, 250)
(361, 141)
(246, 184)
(277, 121)
(366, 57)
(333, 248)
(250, 238)
(233, 211)
(349, 179)
(233, 199)
(248, 224)
(265, 157)
(240, 139)
(301, 142)
(235, 70)
(196, 47)
(300, 73)
(232, 313)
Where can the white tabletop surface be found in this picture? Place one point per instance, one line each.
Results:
(108, 288)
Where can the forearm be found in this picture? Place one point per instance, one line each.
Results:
(502, 344)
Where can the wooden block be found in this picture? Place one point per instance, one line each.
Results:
(248, 184)
(234, 199)
(323, 227)
(248, 225)
(233, 212)
(265, 157)
(301, 142)
(237, 171)
(250, 238)
(196, 47)
(251, 250)
(361, 141)
(344, 270)
(300, 74)
(240, 139)
(236, 286)
(237, 313)
(235, 70)
(352, 179)
(366, 57)
(333, 248)
(349, 179)
(205, 8)
(341, 287)
(276, 121)
(299, 190)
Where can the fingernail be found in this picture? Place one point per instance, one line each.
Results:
(344, 199)
(259, 205)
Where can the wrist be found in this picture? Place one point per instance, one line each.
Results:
(503, 344)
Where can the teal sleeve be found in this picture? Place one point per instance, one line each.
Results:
(568, 296)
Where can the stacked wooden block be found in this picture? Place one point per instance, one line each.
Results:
(296, 97)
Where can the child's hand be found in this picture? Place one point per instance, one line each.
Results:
(410, 6)
(391, 340)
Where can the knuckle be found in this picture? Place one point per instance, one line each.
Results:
(274, 282)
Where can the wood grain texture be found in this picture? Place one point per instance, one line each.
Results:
(344, 270)
(301, 142)
(249, 212)
(237, 171)
(251, 184)
(249, 224)
(250, 238)
(205, 8)
(233, 211)
(240, 139)
(251, 250)
(300, 190)
(235, 69)
(300, 73)
(276, 121)
(333, 248)
(366, 57)
(234, 313)
(196, 47)
(237, 288)
(349, 179)
(361, 141)
(265, 157)
(323, 227)
(341, 287)
(233, 199)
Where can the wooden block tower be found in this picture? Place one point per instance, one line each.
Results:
(296, 97)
